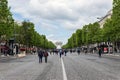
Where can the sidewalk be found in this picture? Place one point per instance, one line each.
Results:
(114, 54)
(7, 58)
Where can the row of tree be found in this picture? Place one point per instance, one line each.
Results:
(23, 33)
(26, 34)
(92, 33)
(89, 34)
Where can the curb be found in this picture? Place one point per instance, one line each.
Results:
(21, 55)
(112, 55)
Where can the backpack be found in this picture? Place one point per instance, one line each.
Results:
(45, 54)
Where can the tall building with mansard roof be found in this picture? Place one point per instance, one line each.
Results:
(103, 19)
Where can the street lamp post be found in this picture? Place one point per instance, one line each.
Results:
(14, 32)
(109, 45)
(14, 47)
(44, 42)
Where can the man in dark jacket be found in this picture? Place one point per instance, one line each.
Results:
(40, 55)
(99, 52)
(78, 51)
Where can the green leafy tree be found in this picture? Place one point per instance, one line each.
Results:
(6, 20)
(79, 37)
(116, 19)
(89, 34)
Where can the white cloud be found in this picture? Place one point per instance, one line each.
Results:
(55, 15)
(48, 26)
(53, 39)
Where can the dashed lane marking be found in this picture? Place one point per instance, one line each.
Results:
(64, 72)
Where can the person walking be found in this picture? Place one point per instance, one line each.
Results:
(99, 52)
(65, 51)
(60, 53)
(45, 55)
(78, 51)
(40, 55)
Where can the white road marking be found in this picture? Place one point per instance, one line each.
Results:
(64, 72)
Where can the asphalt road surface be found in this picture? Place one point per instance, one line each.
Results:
(70, 67)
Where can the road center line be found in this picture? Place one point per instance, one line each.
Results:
(64, 72)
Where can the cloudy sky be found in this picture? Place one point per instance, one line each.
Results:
(58, 19)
